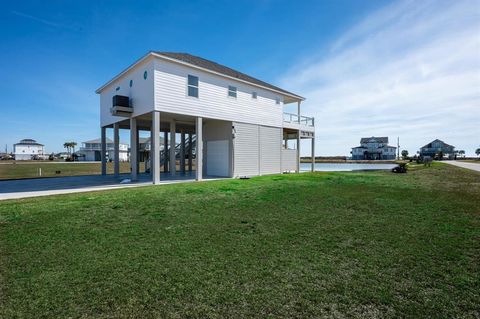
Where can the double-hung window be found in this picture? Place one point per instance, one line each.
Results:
(232, 91)
(193, 85)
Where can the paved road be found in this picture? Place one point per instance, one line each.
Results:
(472, 166)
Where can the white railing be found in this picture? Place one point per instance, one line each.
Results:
(294, 118)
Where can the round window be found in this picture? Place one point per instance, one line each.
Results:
(145, 75)
(131, 83)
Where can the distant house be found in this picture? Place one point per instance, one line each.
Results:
(373, 148)
(437, 147)
(27, 149)
(62, 155)
(144, 147)
(91, 151)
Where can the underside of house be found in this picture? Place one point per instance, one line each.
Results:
(240, 135)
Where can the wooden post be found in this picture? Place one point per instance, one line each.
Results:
(298, 110)
(298, 151)
(313, 154)
(173, 159)
(103, 154)
(190, 151)
(199, 151)
(155, 147)
(116, 149)
(133, 148)
(182, 151)
(165, 151)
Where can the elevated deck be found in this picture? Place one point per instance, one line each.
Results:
(302, 123)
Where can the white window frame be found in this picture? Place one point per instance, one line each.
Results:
(232, 89)
(193, 86)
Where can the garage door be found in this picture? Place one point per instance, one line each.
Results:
(218, 158)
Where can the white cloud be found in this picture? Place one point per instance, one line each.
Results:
(411, 69)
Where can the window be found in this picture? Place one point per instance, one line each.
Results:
(254, 95)
(232, 91)
(277, 101)
(117, 88)
(131, 83)
(145, 74)
(192, 85)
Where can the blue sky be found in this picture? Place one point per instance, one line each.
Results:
(391, 68)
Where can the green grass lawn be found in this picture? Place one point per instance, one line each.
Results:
(364, 244)
(30, 169)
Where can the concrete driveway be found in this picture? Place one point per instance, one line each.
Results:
(467, 165)
(22, 188)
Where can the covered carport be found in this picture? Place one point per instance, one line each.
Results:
(189, 143)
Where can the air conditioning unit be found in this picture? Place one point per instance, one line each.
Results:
(121, 106)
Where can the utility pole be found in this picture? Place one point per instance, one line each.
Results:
(398, 147)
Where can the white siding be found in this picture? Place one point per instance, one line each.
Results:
(141, 93)
(25, 152)
(289, 160)
(246, 149)
(270, 150)
(213, 101)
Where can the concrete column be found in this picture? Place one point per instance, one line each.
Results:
(165, 151)
(138, 148)
(182, 151)
(313, 154)
(173, 161)
(116, 149)
(298, 151)
(199, 151)
(155, 147)
(133, 148)
(190, 151)
(150, 159)
(103, 154)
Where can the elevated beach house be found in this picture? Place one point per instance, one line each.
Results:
(438, 148)
(373, 148)
(28, 149)
(91, 150)
(214, 120)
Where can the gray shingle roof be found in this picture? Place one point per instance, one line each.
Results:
(429, 145)
(28, 141)
(98, 140)
(219, 68)
(378, 139)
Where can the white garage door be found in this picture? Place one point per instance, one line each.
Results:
(218, 158)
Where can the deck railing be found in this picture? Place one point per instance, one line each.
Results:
(294, 118)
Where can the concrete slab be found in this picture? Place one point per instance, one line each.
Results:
(467, 165)
(23, 188)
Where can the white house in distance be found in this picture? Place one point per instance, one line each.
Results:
(27, 149)
(373, 148)
(91, 150)
(235, 121)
